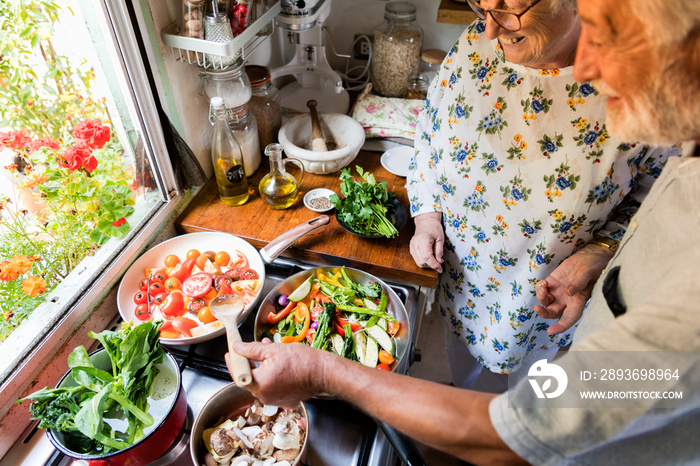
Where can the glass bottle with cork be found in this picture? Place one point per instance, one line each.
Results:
(227, 158)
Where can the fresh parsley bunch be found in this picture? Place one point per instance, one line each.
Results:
(365, 204)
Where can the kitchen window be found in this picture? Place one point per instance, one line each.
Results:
(143, 142)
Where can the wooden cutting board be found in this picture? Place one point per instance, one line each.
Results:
(258, 224)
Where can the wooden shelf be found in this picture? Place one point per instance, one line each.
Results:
(452, 12)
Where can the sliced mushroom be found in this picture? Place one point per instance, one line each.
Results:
(268, 413)
(252, 418)
(209, 460)
(251, 432)
(287, 455)
(221, 443)
(240, 422)
(243, 460)
(246, 441)
(267, 427)
(263, 445)
(283, 463)
(270, 461)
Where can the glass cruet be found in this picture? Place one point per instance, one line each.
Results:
(278, 188)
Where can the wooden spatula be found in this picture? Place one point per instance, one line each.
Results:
(227, 308)
(318, 144)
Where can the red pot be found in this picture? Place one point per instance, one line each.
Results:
(158, 438)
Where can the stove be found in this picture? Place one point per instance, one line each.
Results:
(340, 434)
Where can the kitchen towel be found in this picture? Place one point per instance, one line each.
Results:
(386, 117)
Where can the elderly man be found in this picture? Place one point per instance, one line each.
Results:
(646, 54)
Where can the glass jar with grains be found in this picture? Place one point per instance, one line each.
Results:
(397, 47)
(264, 104)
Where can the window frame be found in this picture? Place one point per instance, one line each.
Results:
(94, 306)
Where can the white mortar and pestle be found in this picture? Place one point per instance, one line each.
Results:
(326, 146)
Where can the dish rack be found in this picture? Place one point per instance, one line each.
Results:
(216, 55)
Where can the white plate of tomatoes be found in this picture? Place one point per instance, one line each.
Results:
(175, 281)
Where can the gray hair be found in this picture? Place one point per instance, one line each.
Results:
(669, 23)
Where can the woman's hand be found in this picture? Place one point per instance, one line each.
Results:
(565, 292)
(428, 241)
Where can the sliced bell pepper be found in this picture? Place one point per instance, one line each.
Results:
(300, 312)
(342, 322)
(304, 328)
(338, 329)
(275, 318)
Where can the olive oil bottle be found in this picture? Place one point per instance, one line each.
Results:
(278, 188)
(227, 158)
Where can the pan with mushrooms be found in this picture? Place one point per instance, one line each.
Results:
(252, 434)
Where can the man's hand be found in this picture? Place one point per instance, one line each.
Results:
(286, 373)
(428, 241)
(565, 292)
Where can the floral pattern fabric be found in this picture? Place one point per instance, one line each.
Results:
(386, 117)
(521, 165)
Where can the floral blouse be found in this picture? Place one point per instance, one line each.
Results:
(520, 164)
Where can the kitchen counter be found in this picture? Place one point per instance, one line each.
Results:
(258, 224)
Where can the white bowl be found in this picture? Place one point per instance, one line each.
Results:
(343, 131)
(179, 245)
(314, 194)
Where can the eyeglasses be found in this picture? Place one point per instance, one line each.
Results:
(504, 18)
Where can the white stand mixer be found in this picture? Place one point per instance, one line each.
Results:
(315, 79)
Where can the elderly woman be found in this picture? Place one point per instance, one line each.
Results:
(514, 171)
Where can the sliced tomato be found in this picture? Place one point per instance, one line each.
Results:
(224, 288)
(249, 274)
(168, 331)
(392, 328)
(310, 335)
(383, 367)
(315, 311)
(238, 261)
(385, 357)
(173, 304)
(184, 325)
(183, 270)
(195, 305)
(143, 312)
(197, 285)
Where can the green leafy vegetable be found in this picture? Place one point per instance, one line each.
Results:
(365, 204)
(325, 325)
(82, 412)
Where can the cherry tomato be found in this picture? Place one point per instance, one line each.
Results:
(160, 297)
(383, 367)
(149, 272)
(156, 288)
(211, 255)
(202, 261)
(173, 304)
(172, 283)
(144, 284)
(192, 253)
(205, 315)
(392, 328)
(171, 261)
(222, 279)
(249, 274)
(159, 276)
(184, 325)
(385, 357)
(197, 285)
(183, 270)
(195, 305)
(211, 295)
(140, 297)
(143, 312)
(222, 258)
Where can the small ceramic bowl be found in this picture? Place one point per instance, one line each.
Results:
(312, 197)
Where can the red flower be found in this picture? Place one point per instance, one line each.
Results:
(93, 133)
(90, 164)
(118, 223)
(14, 139)
(43, 142)
(75, 157)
